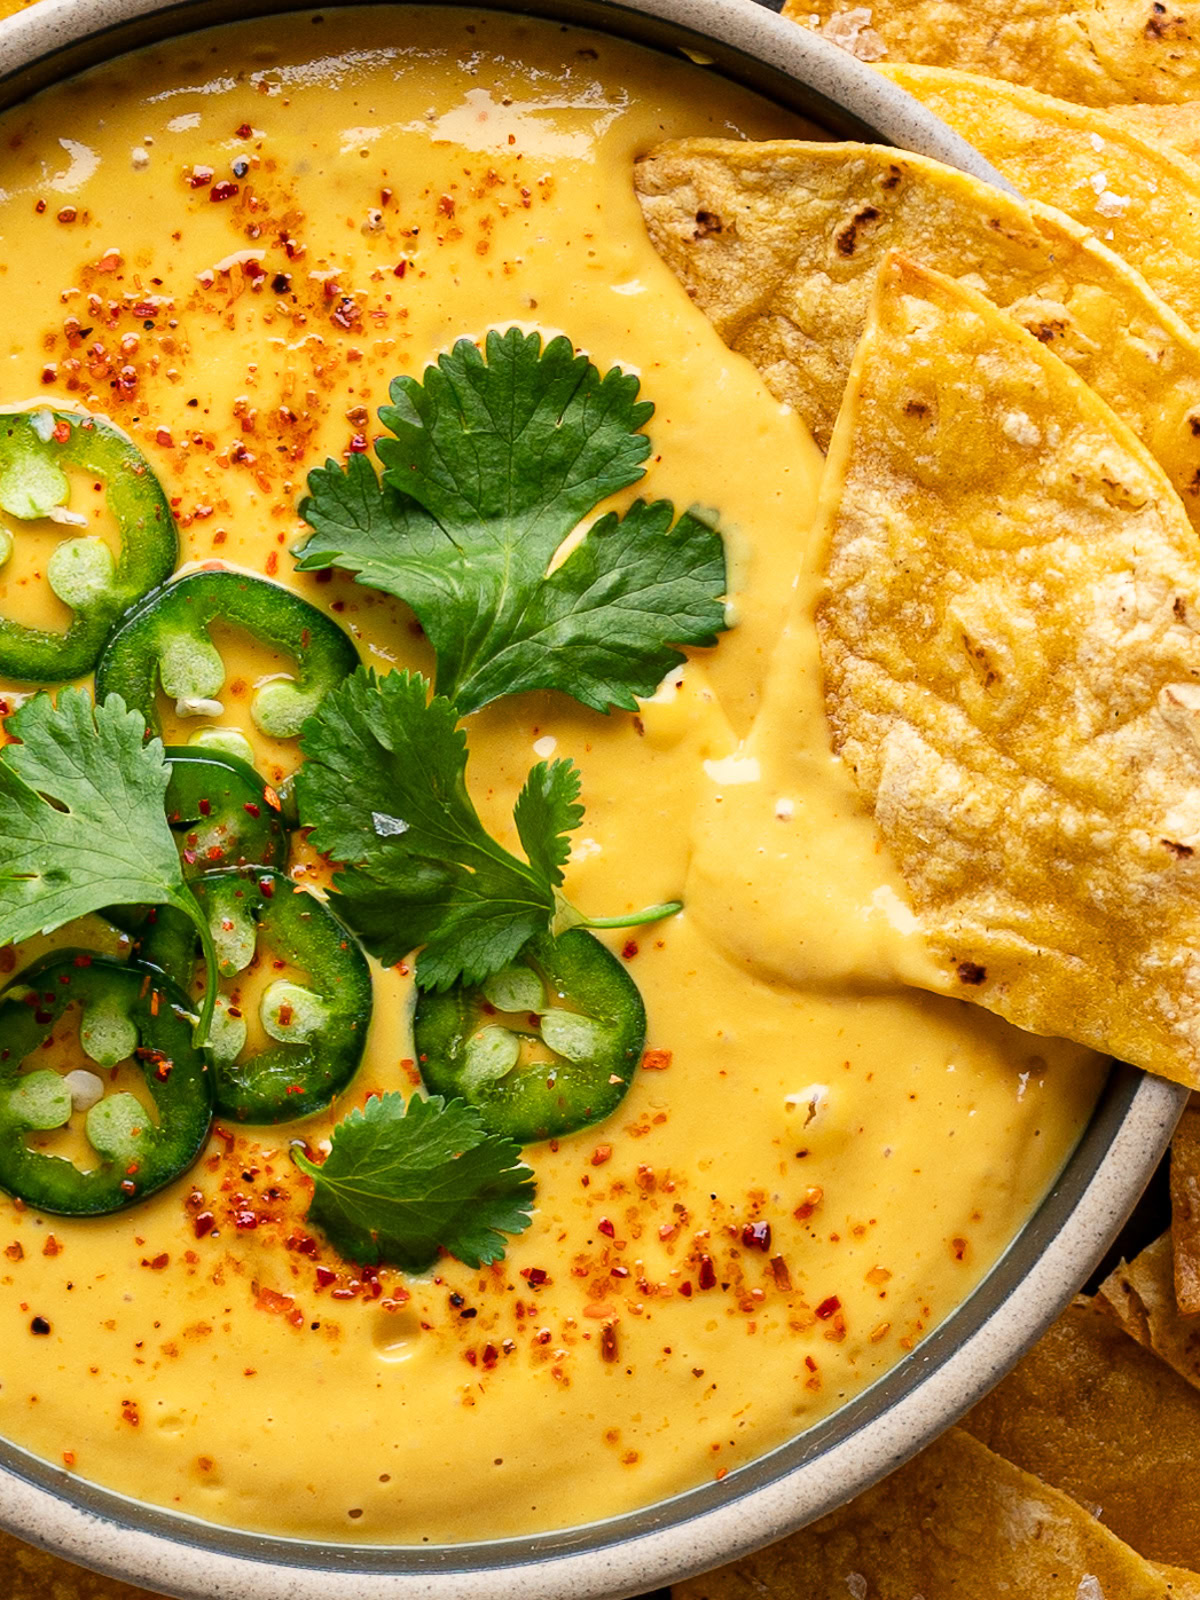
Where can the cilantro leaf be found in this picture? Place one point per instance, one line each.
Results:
(83, 820)
(383, 788)
(492, 464)
(547, 812)
(401, 1182)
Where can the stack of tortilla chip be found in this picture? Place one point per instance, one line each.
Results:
(1009, 394)
(1010, 625)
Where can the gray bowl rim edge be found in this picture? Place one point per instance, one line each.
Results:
(881, 1428)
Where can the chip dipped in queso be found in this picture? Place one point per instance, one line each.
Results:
(482, 1071)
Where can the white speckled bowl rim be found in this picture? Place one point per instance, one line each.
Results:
(881, 1428)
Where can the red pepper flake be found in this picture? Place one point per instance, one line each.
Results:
(62, 432)
(325, 1277)
(205, 808)
(655, 1060)
(399, 269)
(827, 1307)
(245, 1220)
(265, 886)
(446, 205)
(958, 1248)
(272, 799)
(535, 1277)
(629, 949)
(225, 190)
(158, 1262)
(245, 131)
(707, 1276)
(812, 1199)
(81, 961)
(51, 1246)
(685, 1290)
(757, 1236)
(358, 445)
(200, 177)
(271, 1300)
(779, 1271)
(68, 1457)
(163, 436)
(490, 1356)
(608, 1342)
(605, 1227)
(251, 809)
(204, 1223)
(601, 1154)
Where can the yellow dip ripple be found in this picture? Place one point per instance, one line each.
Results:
(816, 1164)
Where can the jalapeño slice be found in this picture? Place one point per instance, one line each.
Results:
(317, 1025)
(165, 640)
(543, 1048)
(223, 814)
(36, 450)
(125, 1013)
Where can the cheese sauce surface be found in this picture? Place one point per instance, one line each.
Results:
(230, 246)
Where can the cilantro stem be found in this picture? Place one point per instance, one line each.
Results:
(635, 919)
(566, 916)
(187, 904)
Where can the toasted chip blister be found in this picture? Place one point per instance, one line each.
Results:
(1012, 669)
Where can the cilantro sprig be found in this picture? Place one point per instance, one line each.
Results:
(383, 787)
(491, 466)
(83, 822)
(401, 1182)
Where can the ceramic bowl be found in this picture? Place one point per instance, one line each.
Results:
(971, 1350)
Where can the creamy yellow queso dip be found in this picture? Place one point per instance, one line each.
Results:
(816, 1163)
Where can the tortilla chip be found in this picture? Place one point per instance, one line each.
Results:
(1134, 193)
(779, 244)
(1107, 1422)
(1185, 1210)
(1140, 1296)
(1177, 126)
(1013, 673)
(958, 1523)
(31, 1574)
(1111, 52)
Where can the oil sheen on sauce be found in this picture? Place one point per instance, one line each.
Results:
(230, 246)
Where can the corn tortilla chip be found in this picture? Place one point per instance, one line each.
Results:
(1099, 1417)
(957, 1523)
(1110, 52)
(1140, 1296)
(1134, 193)
(779, 244)
(1185, 1210)
(1013, 673)
(1176, 126)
